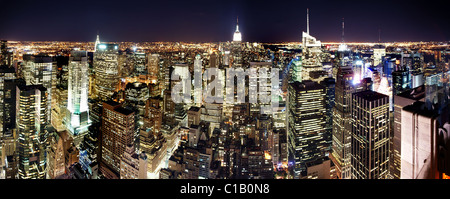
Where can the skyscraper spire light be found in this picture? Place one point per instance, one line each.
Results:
(307, 20)
(237, 23)
(97, 41)
(237, 37)
(343, 30)
(342, 46)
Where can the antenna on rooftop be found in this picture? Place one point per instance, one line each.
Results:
(307, 20)
(343, 25)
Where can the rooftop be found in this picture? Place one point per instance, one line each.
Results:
(414, 94)
(77, 55)
(112, 103)
(7, 69)
(31, 87)
(306, 85)
(420, 108)
(123, 111)
(136, 85)
(194, 108)
(370, 95)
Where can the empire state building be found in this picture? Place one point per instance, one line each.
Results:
(237, 37)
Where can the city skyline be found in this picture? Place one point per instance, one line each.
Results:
(241, 106)
(202, 21)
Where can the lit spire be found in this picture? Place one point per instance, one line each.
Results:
(307, 20)
(342, 30)
(97, 41)
(237, 24)
(343, 46)
(237, 35)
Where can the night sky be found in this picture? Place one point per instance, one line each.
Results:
(213, 21)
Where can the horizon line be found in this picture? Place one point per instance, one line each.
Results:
(274, 42)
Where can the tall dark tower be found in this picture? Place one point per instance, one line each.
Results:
(306, 124)
(344, 88)
(370, 135)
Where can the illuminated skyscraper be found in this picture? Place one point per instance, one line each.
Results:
(401, 100)
(97, 41)
(106, 70)
(343, 46)
(341, 132)
(39, 70)
(153, 66)
(311, 54)
(77, 115)
(370, 135)
(420, 136)
(378, 52)
(153, 114)
(59, 107)
(136, 94)
(198, 97)
(296, 69)
(401, 81)
(56, 158)
(237, 37)
(140, 67)
(329, 84)
(5, 56)
(8, 84)
(117, 132)
(260, 92)
(31, 122)
(345, 86)
(306, 123)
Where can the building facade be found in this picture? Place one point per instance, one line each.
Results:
(106, 67)
(77, 115)
(370, 135)
(117, 132)
(31, 123)
(306, 123)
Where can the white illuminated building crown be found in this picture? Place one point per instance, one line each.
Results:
(237, 35)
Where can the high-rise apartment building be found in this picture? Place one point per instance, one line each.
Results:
(31, 123)
(106, 69)
(140, 67)
(401, 100)
(39, 70)
(401, 81)
(341, 132)
(370, 135)
(419, 152)
(59, 107)
(306, 123)
(56, 156)
(153, 66)
(8, 84)
(117, 132)
(329, 84)
(153, 115)
(379, 51)
(341, 129)
(5, 56)
(77, 115)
